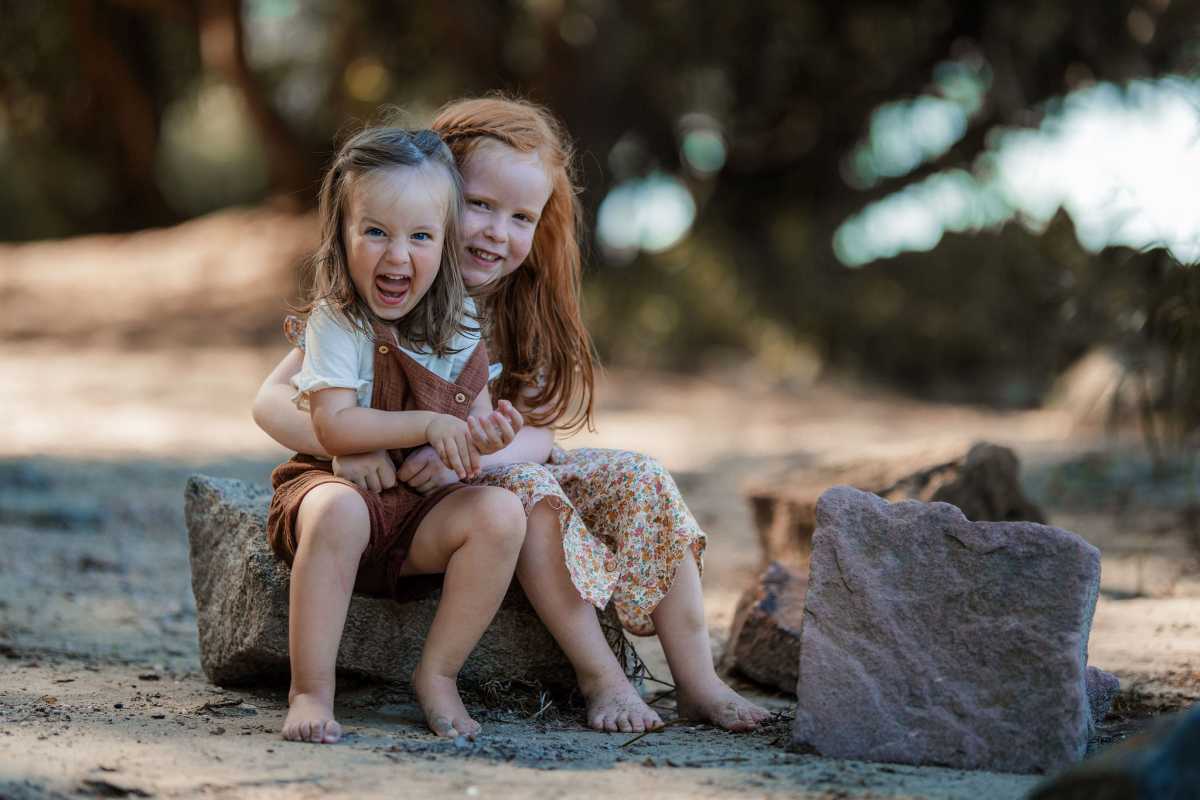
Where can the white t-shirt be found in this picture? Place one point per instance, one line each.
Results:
(338, 358)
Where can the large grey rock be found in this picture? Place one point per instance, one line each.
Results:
(930, 639)
(764, 641)
(983, 482)
(242, 609)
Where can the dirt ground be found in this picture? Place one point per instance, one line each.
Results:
(111, 401)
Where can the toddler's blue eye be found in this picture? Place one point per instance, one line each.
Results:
(425, 236)
(373, 232)
(481, 203)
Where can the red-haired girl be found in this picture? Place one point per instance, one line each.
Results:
(603, 525)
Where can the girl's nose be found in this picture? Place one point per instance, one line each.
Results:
(495, 232)
(397, 253)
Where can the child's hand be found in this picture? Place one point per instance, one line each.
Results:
(424, 471)
(450, 437)
(371, 471)
(496, 430)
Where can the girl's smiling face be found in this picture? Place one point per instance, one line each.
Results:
(505, 191)
(394, 227)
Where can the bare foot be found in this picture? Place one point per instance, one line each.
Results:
(310, 719)
(716, 703)
(614, 705)
(444, 711)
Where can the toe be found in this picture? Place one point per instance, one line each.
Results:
(333, 732)
(623, 724)
(610, 723)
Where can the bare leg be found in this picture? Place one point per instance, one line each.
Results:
(701, 695)
(333, 528)
(474, 536)
(613, 704)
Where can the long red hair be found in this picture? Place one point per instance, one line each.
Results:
(536, 326)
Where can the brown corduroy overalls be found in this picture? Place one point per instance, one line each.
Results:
(401, 384)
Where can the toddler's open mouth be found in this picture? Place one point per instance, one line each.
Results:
(392, 288)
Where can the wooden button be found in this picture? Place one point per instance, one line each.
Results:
(460, 398)
(383, 348)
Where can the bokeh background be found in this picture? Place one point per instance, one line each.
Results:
(957, 200)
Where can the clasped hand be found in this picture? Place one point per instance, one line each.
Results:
(451, 455)
(459, 443)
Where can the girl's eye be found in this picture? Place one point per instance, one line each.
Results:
(422, 237)
(524, 217)
(373, 231)
(480, 203)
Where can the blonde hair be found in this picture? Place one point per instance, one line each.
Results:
(438, 316)
(535, 322)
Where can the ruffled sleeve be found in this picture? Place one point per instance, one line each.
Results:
(331, 360)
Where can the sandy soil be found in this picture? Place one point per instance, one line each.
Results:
(102, 694)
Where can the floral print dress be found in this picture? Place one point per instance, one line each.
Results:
(625, 526)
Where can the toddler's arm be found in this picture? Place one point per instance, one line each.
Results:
(343, 427)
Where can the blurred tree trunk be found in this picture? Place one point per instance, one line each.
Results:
(120, 98)
(222, 49)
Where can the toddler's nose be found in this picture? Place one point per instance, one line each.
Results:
(397, 253)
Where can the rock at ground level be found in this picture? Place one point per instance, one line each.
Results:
(241, 594)
(1102, 689)
(983, 483)
(1162, 763)
(764, 642)
(929, 639)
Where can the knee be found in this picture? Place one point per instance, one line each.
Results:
(334, 517)
(498, 518)
(644, 467)
(524, 474)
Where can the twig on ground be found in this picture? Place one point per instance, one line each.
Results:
(672, 724)
(545, 701)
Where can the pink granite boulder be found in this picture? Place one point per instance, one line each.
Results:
(930, 639)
